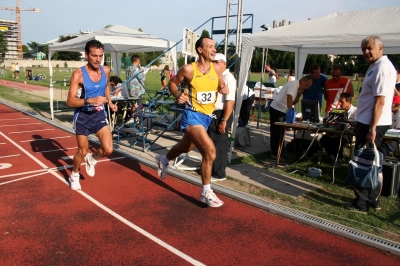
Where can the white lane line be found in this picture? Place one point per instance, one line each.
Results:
(29, 140)
(18, 132)
(13, 155)
(2, 143)
(21, 124)
(111, 212)
(23, 173)
(65, 158)
(22, 178)
(7, 119)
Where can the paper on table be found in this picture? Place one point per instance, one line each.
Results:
(394, 131)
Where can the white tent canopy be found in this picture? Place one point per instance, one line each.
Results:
(117, 39)
(337, 33)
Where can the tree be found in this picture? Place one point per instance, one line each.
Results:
(146, 58)
(205, 34)
(33, 46)
(25, 48)
(3, 44)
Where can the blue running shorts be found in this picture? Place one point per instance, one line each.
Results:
(193, 118)
(86, 123)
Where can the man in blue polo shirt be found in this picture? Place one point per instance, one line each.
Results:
(317, 88)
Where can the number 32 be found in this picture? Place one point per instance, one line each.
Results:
(206, 97)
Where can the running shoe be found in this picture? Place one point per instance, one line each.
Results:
(211, 199)
(74, 182)
(217, 178)
(90, 163)
(162, 168)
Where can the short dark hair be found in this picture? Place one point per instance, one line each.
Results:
(338, 68)
(291, 72)
(314, 67)
(200, 43)
(134, 58)
(347, 96)
(115, 79)
(93, 44)
(306, 78)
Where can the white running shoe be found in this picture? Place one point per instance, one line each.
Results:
(211, 199)
(162, 168)
(74, 182)
(90, 163)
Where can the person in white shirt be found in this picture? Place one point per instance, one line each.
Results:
(374, 114)
(333, 143)
(392, 146)
(288, 96)
(291, 76)
(222, 121)
(16, 71)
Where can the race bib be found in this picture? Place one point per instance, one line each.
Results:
(206, 97)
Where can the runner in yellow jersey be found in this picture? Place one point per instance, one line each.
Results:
(204, 82)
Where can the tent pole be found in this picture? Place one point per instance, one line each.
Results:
(237, 64)
(264, 59)
(51, 90)
(228, 3)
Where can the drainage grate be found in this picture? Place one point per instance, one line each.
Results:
(370, 240)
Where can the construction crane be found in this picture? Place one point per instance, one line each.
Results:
(18, 10)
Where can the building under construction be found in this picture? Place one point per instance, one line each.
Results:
(10, 30)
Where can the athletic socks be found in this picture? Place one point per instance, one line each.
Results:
(206, 188)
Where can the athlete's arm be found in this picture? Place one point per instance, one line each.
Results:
(113, 107)
(184, 74)
(75, 81)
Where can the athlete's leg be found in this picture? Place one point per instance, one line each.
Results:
(199, 137)
(105, 137)
(183, 146)
(83, 146)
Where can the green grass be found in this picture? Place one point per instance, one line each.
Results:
(32, 101)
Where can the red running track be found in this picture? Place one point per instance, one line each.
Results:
(22, 86)
(126, 215)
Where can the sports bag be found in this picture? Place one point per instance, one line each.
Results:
(365, 169)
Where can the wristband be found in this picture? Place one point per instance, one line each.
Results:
(85, 102)
(223, 119)
(371, 130)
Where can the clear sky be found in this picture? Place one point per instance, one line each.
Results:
(165, 18)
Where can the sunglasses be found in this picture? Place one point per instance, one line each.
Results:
(336, 76)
